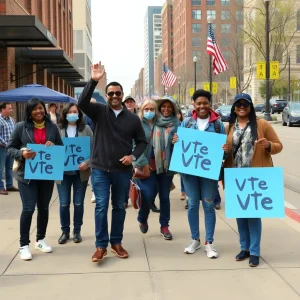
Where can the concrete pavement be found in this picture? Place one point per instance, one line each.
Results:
(156, 269)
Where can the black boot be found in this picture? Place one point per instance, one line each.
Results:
(64, 237)
(154, 208)
(77, 237)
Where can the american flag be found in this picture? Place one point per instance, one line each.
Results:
(168, 78)
(218, 62)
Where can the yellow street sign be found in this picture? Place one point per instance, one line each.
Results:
(233, 82)
(261, 70)
(215, 88)
(192, 91)
(175, 97)
(206, 86)
(274, 70)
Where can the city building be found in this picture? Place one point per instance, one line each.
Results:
(137, 90)
(152, 45)
(158, 66)
(36, 46)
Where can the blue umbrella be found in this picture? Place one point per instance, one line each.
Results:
(25, 93)
(96, 95)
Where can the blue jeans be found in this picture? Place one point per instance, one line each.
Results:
(6, 162)
(64, 193)
(182, 184)
(36, 193)
(250, 234)
(218, 197)
(148, 188)
(119, 183)
(198, 188)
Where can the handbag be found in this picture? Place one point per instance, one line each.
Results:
(17, 163)
(135, 195)
(138, 173)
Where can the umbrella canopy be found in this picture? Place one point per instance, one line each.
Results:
(96, 95)
(25, 93)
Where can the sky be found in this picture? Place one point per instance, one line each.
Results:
(118, 38)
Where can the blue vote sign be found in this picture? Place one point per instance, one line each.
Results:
(78, 150)
(47, 164)
(254, 193)
(198, 153)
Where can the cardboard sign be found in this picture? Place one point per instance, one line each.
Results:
(254, 193)
(78, 150)
(198, 153)
(47, 164)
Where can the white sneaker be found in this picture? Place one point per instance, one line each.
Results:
(211, 251)
(192, 247)
(43, 246)
(93, 199)
(25, 253)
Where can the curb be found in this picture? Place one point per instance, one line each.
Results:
(292, 214)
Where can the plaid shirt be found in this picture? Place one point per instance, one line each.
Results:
(7, 126)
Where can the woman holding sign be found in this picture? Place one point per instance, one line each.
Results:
(159, 125)
(36, 129)
(72, 126)
(251, 142)
(199, 188)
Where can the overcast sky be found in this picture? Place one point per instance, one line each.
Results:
(118, 37)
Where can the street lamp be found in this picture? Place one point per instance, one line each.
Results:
(179, 89)
(195, 59)
(267, 115)
(209, 21)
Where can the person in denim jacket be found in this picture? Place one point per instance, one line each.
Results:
(199, 188)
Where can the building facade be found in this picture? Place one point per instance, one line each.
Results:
(152, 45)
(36, 46)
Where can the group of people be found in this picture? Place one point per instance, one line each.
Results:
(122, 141)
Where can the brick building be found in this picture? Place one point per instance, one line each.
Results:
(36, 46)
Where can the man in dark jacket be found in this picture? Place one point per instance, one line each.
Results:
(114, 129)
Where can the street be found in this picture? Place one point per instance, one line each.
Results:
(158, 269)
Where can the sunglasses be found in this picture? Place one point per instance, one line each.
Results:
(111, 94)
(242, 104)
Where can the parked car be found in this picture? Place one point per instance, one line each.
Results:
(276, 106)
(259, 107)
(224, 112)
(291, 114)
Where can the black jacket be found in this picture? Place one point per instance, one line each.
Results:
(112, 135)
(23, 135)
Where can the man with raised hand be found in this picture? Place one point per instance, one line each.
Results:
(114, 129)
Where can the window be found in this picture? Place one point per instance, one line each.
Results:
(211, 2)
(79, 59)
(196, 14)
(196, 2)
(211, 13)
(225, 28)
(225, 41)
(196, 41)
(225, 2)
(226, 55)
(298, 20)
(213, 27)
(239, 15)
(196, 28)
(225, 15)
(239, 2)
(78, 39)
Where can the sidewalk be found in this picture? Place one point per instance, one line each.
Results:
(156, 269)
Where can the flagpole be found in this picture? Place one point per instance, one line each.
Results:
(209, 20)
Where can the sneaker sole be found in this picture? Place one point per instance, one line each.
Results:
(115, 252)
(26, 259)
(187, 252)
(44, 251)
(97, 259)
(253, 266)
(241, 259)
(167, 239)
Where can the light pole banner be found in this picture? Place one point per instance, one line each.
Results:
(233, 82)
(261, 70)
(274, 69)
(192, 91)
(215, 88)
(206, 86)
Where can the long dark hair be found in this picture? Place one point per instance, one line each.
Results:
(252, 121)
(30, 105)
(63, 118)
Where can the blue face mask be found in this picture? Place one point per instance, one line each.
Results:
(72, 118)
(149, 115)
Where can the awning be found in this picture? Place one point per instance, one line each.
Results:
(76, 84)
(56, 61)
(24, 31)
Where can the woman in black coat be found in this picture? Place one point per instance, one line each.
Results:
(36, 129)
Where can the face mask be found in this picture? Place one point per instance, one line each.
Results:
(72, 118)
(149, 115)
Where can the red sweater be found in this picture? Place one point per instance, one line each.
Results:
(39, 135)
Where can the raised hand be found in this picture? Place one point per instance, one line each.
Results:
(97, 71)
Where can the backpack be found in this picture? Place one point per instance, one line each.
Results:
(216, 124)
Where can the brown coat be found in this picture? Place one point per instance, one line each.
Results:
(261, 157)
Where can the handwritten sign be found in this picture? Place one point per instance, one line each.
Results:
(47, 164)
(198, 153)
(254, 193)
(77, 151)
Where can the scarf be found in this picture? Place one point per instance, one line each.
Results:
(163, 129)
